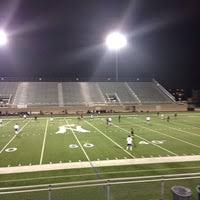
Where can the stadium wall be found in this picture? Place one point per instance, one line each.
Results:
(103, 108)
(161, 107)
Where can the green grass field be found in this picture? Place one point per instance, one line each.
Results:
(40, 143)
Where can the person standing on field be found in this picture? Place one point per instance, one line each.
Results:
(129, 140)
(16, 128)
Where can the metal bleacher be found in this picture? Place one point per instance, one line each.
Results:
(149, 92)
(8, 88)
(72, 94)
(120, 89)
(84, 93)
(36, 94)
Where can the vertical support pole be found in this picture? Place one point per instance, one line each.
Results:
(116, 65)
(49, 192)
(162, 190)
(108, 190)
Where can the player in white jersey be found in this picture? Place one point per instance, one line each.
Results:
(129, 140)
(109, 121)
(16, 128)
(162, 116)
(148, 119)
(24, 116)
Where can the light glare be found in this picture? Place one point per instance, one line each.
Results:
(116, 41)
(3, 38)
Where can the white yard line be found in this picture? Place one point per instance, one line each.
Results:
(14, 137)
(180, 130)
(79, 142)
(104, 163)
(188, 124)
(100, 173)
(183, 131)
(110, 139)
(147, 141)
(8, 143)
(44, 142)
(5, 124)
(167, 135)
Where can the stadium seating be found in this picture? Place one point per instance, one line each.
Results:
(72, 94)
(119, 89)
(92, 93)
(84, 93)
(78, 93)
(8, 88)
(149, 92)
(36, 93)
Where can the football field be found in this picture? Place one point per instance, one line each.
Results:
(92, 152)
(68, 139)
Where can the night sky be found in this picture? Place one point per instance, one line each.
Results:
(65, 38)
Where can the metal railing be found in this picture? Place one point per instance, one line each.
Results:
(106, 185)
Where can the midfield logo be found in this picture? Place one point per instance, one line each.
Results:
(76, 128)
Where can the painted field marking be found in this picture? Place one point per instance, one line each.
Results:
(188, 124)
(148, 141)
(179, 129)
(167, 135)
(110, 139)
(78, 142)
(5, 124)
(14, 137)
(44, 141)
(101, 173)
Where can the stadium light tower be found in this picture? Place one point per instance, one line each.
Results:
(3, 38)
(116, 41)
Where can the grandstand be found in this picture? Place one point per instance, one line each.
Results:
(36, 94)
(32, 94)
(81, 96)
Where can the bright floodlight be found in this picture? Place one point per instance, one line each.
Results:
(116, 41)
(3, 38)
